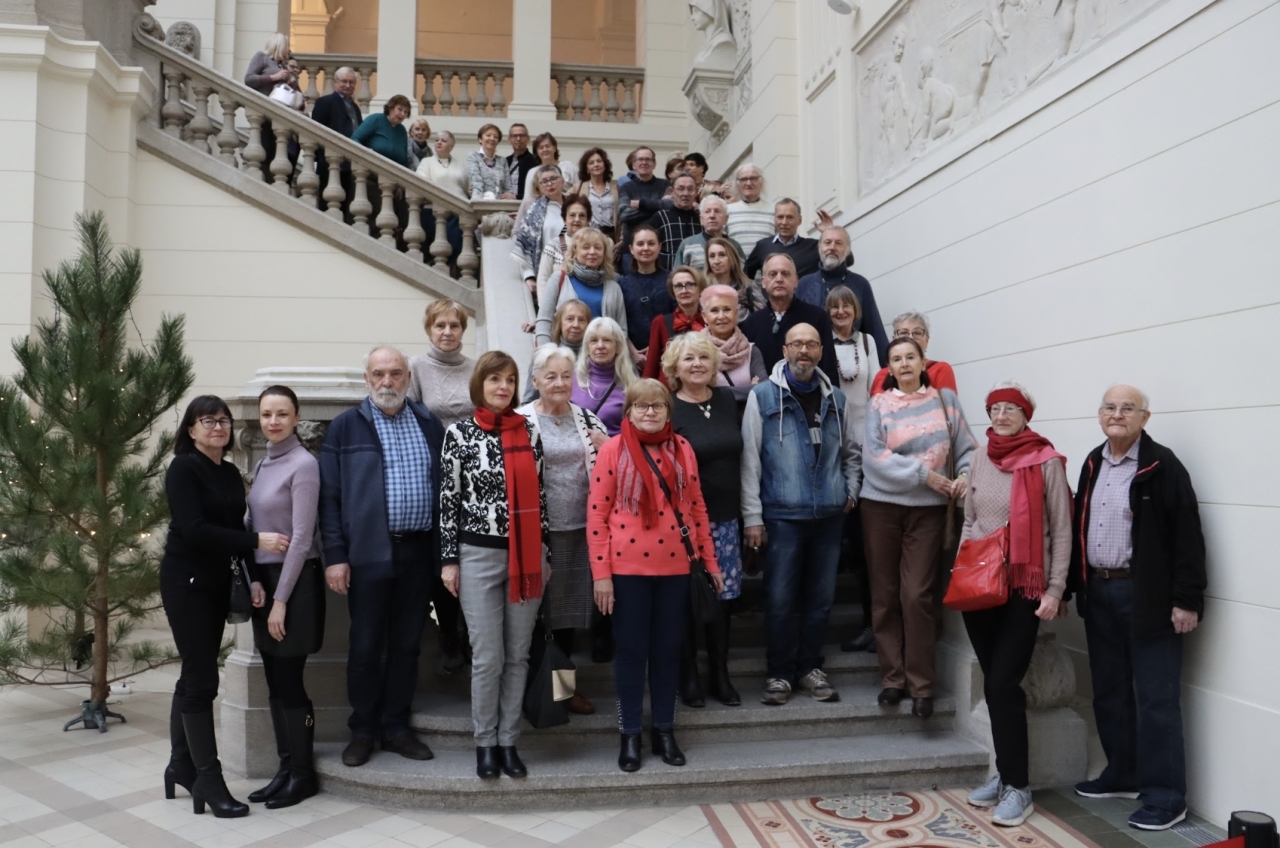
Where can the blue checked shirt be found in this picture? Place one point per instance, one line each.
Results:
(1110, 535)
(406, 470)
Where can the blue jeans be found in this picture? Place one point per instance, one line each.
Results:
(388, 615)
(1137, 690)
(800, 563)
(648, 629)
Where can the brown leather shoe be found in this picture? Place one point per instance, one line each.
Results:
(407, 745)
(922, 707)
(890, 696)
(358, 751)
(579, 705)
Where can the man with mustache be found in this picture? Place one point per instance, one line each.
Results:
(801, 469)
(379, 482)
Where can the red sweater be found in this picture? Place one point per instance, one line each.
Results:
(617, 540)
(940, 377)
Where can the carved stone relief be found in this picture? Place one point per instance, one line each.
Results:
(936, 68)
(185, 37)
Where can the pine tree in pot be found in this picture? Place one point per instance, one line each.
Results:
(82, 478)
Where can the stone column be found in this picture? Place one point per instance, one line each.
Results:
(397, 51)
(246, 741)
(662, 34)
(531, 58)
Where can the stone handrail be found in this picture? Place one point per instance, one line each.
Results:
(318, 70)
(489, 79)
(180, 73)
(604, 82)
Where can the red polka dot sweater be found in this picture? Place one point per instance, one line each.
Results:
(618, 541)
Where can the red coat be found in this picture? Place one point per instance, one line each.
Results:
(940, 377)
(617, 541)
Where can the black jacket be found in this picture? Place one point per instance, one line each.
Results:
(1168, 565)
(759, 330)
(330, 111)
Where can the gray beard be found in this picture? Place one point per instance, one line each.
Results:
(831, 263)
(803, 371)
(388, 400)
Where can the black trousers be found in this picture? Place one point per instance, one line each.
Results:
(284, 680)
(197, 617)
(1004, 639)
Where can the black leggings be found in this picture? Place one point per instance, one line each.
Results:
(197, 619)
(284, 680)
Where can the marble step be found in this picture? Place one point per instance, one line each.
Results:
(748, 662)
(582, 773)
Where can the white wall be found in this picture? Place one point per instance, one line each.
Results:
(1126, 231)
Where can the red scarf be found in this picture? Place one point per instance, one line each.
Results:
(682, 322)
(1024, 454)
(639, 491)
(524, 503)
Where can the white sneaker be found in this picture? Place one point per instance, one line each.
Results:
(817, 685)
(987, 794)
(776, 692)
(1014, 808)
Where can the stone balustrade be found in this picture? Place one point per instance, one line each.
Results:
(461, 87)
(318, 70)
(203, 108)
(615, 92)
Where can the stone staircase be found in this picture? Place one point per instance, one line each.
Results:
(736, 754)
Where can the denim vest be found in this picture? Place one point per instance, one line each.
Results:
(794, 486)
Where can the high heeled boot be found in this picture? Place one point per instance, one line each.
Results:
(209, 786)
(282, 749)
(718, 683)
(180, 770)
(301, 783)
(690, 686)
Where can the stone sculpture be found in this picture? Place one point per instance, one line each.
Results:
(185, 38)
(711, 18)
(934, 108)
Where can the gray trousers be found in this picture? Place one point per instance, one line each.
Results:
(501, 633)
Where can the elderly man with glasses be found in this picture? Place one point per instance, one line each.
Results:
(750, 216)
(801, 469)
(1138, 568)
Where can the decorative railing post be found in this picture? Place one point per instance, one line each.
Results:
(308, 181)
(446, 92)
(172, 112)
(386, 222)
(364, 94)
(281, 167)
(562, 96)
(361, 208)
(228, 138)
(429, 92)
(200, 126)
(464, 93)
(611, 104)
(595, 105)
(499, 94)
(440, 248)
(468, 261)
(254, 153)
(628, 102)
(481, 100)
(579, 102)
(414, 235)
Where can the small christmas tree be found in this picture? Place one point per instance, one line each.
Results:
(82, 478)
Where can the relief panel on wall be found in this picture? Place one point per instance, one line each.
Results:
(937, 68)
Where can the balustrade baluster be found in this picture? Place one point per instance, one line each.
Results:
(364, 95)
(310, 95)
(328, 81)
(562, 97)
(482, 100)
(386, 222)
(201, 126)
(579, 102)
(464, 92)
(611, 105)
(254, 153)
(308, 181)
(334, 194)
(228, 138)
(429, 92)
(446, 92)
(361, 208)
(281, 167)
(500, 95)
(440, 248)
(414, 235)
(628, 101)
(595, 104)
(172, 113)
(468, 261)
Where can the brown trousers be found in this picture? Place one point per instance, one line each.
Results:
(902, 545)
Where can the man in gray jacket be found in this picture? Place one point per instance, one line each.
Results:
(801, 468)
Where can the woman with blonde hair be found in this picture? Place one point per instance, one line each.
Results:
(268, 68)
(604, 372)
(587, 275)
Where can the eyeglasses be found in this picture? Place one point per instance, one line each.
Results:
(517, 135)
(748, 179)
(211, 423)
(648, 407)
(1128, 409)
(683, 286)
(805, 346)
(998, 409)
(639, 159)
(918, 333)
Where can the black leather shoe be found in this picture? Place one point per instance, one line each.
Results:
(890, 697)
(629, 756)
(407, 745)
(512, 765)
(487, 766)
(358, 751)
(922, 707)
(864, 641)
(664, 745)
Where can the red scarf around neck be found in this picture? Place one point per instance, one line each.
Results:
(524, 502)
(682, 322)
(639, 491)
(1023, 455)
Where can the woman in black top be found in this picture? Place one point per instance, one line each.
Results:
(206, 531)
(708, 418)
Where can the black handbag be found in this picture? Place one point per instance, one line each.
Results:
(704, 605)
(540, 705)
(241, 607)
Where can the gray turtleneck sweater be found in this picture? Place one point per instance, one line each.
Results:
(442, 383)
(284, 499)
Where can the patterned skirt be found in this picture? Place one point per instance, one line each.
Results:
(568, 599)
(725, 537)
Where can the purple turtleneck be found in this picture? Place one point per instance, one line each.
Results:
(599, 378)
(284, 499)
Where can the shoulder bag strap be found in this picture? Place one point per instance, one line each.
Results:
(666, 490)
(608, 392)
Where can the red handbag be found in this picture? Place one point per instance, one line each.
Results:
(980, 576)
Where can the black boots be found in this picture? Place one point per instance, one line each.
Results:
(301, 783)
(181, 770)
(718, 684)
(629, 756)
(664, 745)
(509, 760)
(487, 765)
(690, 685)
(209, 787)
(282, 748)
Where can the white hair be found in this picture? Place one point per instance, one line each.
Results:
(397, 351)
(1017, 387)
(345, 69)
(1146, 401)
(917, 317)
(623, 370)
(548, 352)
(753, 166)
(277, 46)
(713, 200)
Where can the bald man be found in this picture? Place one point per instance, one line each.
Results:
(768, 327)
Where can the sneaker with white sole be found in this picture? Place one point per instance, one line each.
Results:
(1014, 808)
(1154, 818)
(817, 685)
(776, 692)
(1097, 789)
(988, 794)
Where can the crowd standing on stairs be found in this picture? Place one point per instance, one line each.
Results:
(776, 423)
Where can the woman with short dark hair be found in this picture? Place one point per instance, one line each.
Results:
(489, 176)
(595, 182)
(386, 133)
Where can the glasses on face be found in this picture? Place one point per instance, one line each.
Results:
(807, 347)
(917, 334)
(548, 183)
(1124, 410)
(518, 135)
(684, 286)
(999, 409)
(642, 408)
(212, 423)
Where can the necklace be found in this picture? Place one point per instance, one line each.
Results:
(857, 360)
(704, 407)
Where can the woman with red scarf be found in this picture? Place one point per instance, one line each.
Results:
(685, 285)
(1020, 480)
(493, 523)
(640, 563)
